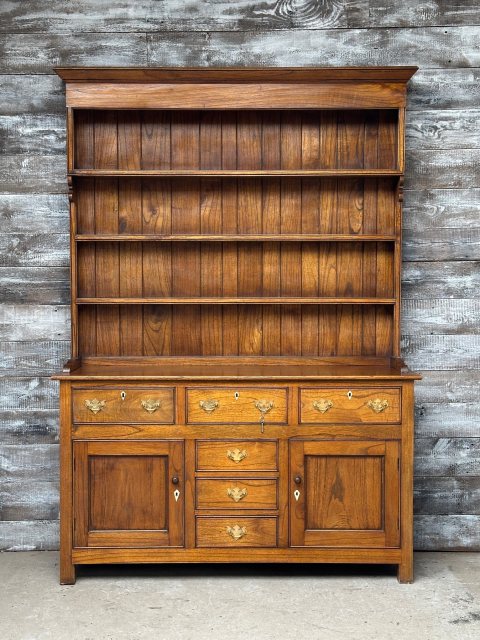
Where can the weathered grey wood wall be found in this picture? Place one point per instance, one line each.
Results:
(441, 322)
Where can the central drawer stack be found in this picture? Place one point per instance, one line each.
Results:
(236, 480)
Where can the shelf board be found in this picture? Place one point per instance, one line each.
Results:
(305, 237)
(233, 173)
(237, 300)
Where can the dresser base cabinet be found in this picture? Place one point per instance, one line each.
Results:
(237, 492)
(236, 391)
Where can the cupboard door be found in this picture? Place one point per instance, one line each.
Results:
(344, 493)
(128, 494)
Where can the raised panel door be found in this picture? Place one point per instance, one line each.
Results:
(128, 494)
(344, 493)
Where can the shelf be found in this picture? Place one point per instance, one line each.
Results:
(306, 237)
(237, 300)
(234, 173)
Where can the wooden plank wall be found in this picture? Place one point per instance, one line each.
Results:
(441, 279)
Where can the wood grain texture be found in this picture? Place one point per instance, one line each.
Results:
(439, 220)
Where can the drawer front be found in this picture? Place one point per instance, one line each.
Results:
(236, 493)
(242, 406)
(124, 405)
(237, 455)
(350, 405)
(236, 532)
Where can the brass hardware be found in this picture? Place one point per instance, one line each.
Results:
(209, 405)
(236, 532)
(349, 395)
(236, 455)
(296, 494)
(236, 395)
(264, 406)
(151, 405)
(95, 405)
(377, 405)
(176, 495)
(236, 494)
(322, 405)
(123, 395)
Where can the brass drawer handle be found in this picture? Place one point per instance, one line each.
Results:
(264, 406)
(209, 405)
(151, 405)
(236, 455)
(95, 405)
(236, 532)
(378, 405)
(237, 494)
(322, 405)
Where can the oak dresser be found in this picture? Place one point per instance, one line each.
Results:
(236, 391)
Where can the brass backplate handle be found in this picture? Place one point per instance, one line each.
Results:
(209, 405)
(378, 405)
(236, 532)
(236, 455)
(151, 405)
(237, 494)
(95, 405)
(322, 405)
(264, 406)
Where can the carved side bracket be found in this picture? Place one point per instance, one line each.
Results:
(401, 181)
(70, 188)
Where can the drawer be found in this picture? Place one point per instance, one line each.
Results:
(236, 405)
(139, 404)
(236, 532)
(234, 455)
(236, 493)
(344, 405)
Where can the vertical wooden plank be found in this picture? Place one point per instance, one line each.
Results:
(155, 140)
(230, 225)
(351, 138)
(291, 222)
(67, 569)
(271, 159)
(156, 208)
(189, 493)
(79, 496)
(130, 221)
(350, 155)
(405, 568)
(211, 260)
(327, 259)
(387, 139)
(250, 256)
(106, 219)
(84, 144)
(211, 223)
(106, 140)
(271, 265)
(185, 154)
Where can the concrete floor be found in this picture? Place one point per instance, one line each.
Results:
(240, 602)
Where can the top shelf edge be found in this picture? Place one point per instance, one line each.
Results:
(219, 173)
